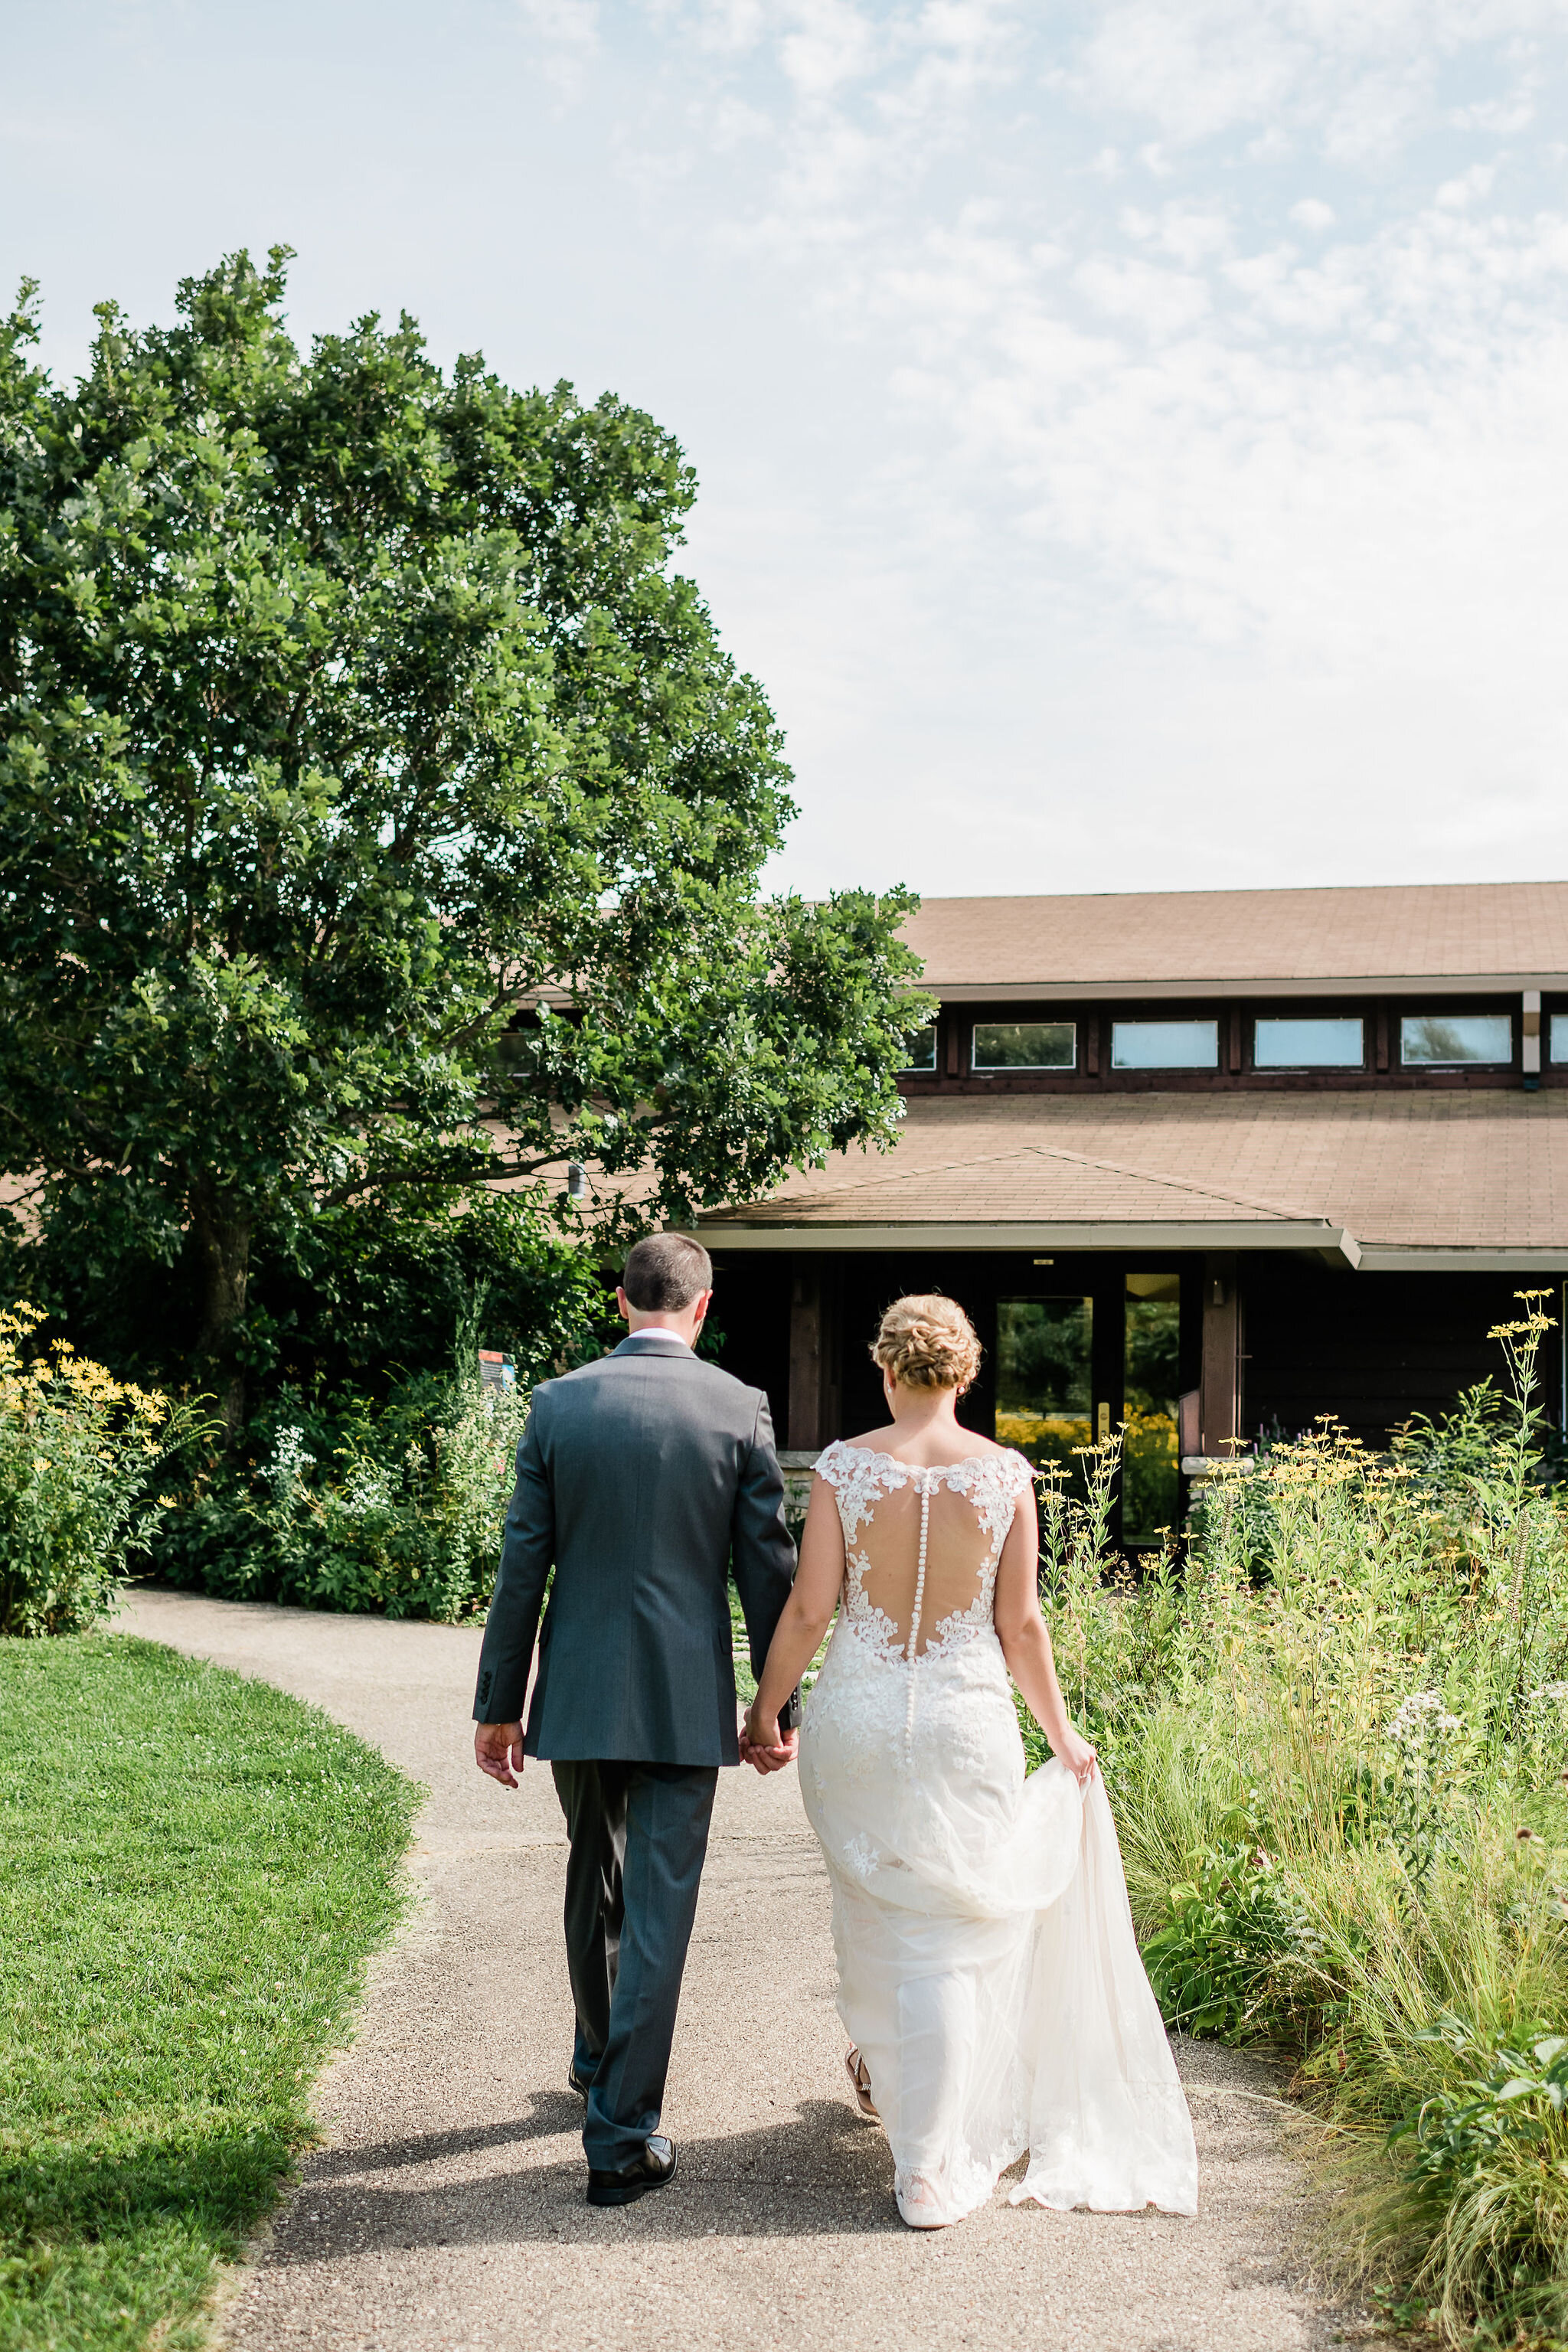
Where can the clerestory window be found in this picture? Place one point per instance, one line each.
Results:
(1164, 1044)
(1287, 1042)
(1448, 1040)
(1025, 1045)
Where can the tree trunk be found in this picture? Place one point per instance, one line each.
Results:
(221, 1227)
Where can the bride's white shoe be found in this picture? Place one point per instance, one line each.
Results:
(920, 2204)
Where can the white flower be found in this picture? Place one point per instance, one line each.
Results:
(368, 1489)
(290, 1461)
(1421, 1717)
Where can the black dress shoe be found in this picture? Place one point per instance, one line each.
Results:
(575, 2082)
(653, 2169)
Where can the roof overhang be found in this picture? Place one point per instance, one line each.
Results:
(1130, 988)
(1333, 1243)
(1324, 1240)
(1384, 1258)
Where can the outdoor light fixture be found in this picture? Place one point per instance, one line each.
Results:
(576, 1181)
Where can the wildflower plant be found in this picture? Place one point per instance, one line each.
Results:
(1336, 1735)
(79, 1458)
(1424, 1738)
(392, 1505)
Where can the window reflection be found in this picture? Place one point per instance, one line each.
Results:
(1044, 1381)
(1025, 1045)
(1430, 1039)
(921, 1049)
(1151, 1466)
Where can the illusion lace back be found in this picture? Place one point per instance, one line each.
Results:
(986, 1961)
(920, 1546)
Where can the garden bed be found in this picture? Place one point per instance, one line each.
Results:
(1336, 1741)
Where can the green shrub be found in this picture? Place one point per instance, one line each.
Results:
(1485, 2165)
(337, 1304)
(78, 1452)
(395, 1506)
(1234, 1922)
(1114, 1632)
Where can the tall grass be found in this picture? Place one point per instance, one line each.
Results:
(1337, 1742)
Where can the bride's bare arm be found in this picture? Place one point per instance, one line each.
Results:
(807, 1613)
(1026, 1645)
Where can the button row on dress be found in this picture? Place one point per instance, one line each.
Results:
(924, 1478)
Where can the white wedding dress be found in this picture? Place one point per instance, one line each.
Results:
(987, 1968)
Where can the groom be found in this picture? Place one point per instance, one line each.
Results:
(646, 1480)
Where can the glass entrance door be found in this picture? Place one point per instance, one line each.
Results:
(1045, 1386)
(1151, 1463)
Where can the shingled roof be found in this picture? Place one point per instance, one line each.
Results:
(1378, 1180)
(1246, 942)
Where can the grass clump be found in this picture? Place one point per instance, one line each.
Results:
(1337, 1742)
(193, 1870)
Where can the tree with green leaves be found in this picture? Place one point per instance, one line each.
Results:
(380, 817)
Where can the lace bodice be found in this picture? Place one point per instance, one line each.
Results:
(890, 1617)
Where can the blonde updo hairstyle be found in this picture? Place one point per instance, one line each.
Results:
(927, 1343)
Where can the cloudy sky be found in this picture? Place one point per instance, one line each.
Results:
(1131, 437)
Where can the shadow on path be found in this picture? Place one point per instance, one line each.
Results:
(820, 2172)
(553, 2112)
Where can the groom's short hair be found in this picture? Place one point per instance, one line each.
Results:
(665, 1272)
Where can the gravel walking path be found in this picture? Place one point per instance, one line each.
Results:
(446, 2208)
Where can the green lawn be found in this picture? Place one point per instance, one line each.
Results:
(193, 1870)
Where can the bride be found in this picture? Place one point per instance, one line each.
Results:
(987, 1972)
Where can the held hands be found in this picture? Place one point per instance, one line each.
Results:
(497, 1751)
(764, 1746)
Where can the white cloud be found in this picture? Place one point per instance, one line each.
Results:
(567, 33)
(1501, 118)
(1357, 75)
(1340, 465)
(1252, 443)
(1158, 301)
(1131, 435)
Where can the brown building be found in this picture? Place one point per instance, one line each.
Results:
(1208, 1162)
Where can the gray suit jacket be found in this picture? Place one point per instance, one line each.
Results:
(643, 1479)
